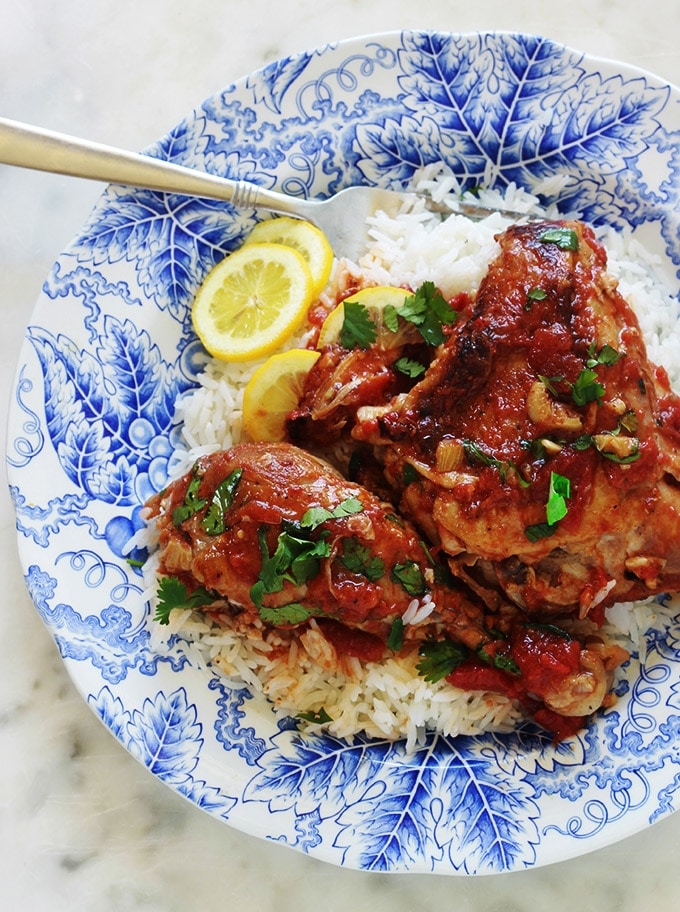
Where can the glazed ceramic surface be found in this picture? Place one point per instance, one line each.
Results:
(92, 430)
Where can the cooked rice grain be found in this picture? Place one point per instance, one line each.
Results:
(299, 672)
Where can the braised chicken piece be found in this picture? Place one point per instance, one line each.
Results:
(338, 384)
(541, 450)
(272, 536)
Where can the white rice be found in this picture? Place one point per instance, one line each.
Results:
(299, 672)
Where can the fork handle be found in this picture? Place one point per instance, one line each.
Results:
(26, 146)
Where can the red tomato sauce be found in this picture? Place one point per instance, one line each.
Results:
(544, 659)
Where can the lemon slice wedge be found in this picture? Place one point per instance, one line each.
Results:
(375, 299)
(252, 300)
(302, 236)
(273, 391)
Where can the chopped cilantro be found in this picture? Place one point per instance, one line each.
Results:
(192, 502)
(555, 508)
(607, 355)
(214, 520)
(539, 530)
(502, 661)
(633, 456)
(410, 577)
(320, 717)
(410, 474)
(429, 311)
(535, 294)
(172, 593)
(395, 640)
(629, 421)
(587, 388)
(391, 317)
(550, 383)
(410, 368)
(358, 330)
(287, 615)
(477, 455)
(565, 238)
(296, 559)
(559, 492)
(316, 516)
(582, 443)
(439, 659)
(505, 663)
(549, 628)
(357, 558)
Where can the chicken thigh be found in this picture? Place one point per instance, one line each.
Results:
(269, 536)
(541, 449)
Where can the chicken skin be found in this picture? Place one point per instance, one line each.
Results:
(293, 540)
(270, 535)
(541, 450)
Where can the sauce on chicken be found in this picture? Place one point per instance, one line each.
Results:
(528, 479)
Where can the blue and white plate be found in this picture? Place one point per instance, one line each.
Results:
(110, 347)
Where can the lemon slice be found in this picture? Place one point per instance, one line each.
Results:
(252, 301)
(302, 236)
(273, 391)
(375, 299)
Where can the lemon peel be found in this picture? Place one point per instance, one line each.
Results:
(302, 236)
(252, 301)
(274, 389)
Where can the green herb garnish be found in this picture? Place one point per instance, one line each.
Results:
(427, 310)
(287, 615)
(587, 388)
(565, 238)
(555, 508)
(410, 368)
(606, 355)
(506, 663)
(296, 559)
(535, 294)
(359, 559)
(172, 593)
(477, 455)
(550, 383)
(410, 577)
(320, 717)
(395, 640)
(214, 520)
(499, 660)
(538, 531)
(439, 659)
(315, 516)
(192, 502)
(552, 629)
(358, 330)
(409, 474)
(558, 494)
(633, 456)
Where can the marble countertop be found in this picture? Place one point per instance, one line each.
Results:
(83, 826)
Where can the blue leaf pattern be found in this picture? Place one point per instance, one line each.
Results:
(165, 736)
(115, 447)
(92, 431)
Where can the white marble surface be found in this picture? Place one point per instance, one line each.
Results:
(82, 825)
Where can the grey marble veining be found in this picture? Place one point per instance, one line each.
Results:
(83, 826)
